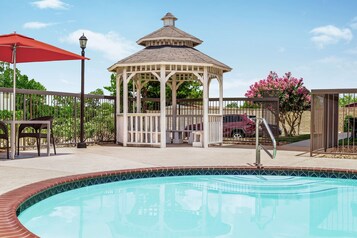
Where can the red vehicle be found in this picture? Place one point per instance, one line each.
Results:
(235, 126)
(238, 126)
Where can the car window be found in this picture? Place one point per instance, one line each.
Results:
(232, 118)
(237, 118)
(229, 118)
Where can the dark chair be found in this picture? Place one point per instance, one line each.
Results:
(36, 132)
(4, 134)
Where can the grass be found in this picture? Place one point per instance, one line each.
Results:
(292, 139)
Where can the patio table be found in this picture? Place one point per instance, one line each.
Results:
(13, 133)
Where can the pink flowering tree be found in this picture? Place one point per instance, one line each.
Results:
(294, 98)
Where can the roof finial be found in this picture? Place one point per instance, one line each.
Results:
(169, 19)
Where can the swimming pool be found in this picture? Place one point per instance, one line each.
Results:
(235, 204)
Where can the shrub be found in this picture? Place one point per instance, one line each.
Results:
(294, 98)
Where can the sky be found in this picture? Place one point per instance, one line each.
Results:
(313, 39)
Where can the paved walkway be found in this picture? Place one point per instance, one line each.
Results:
(69, 161)
(303, 145)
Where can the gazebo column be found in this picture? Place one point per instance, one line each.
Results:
(118, 100)
(174, 110)
(125, 107)
(205, 107)
(163, 106)
(220, 81)
(138, 96)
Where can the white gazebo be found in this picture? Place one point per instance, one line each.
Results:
(169, 57)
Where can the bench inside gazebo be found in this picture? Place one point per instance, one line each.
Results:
(169, 57)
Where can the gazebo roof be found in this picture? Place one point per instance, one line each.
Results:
(169, 33)
(171, 54)
(169, 45)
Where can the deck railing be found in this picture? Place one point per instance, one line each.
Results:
(101, 122)
(99, 117)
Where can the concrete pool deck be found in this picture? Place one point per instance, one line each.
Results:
(70, 161)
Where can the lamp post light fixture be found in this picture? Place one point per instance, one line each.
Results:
(83, 43)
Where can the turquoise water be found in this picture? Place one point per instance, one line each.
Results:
(201, 206)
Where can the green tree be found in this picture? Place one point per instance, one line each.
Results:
(99, 118)
(250, 105)
(232, 105)
(347, 99)
(152, 89)
(66, 121)
(98, 91)
(22, 80)
(112, 88)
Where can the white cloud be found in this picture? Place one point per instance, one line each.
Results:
(113, 46)
(329, 72)
(66, 82)
(353, 24)
(331, 60)
(36, 25)
(352, 51)
(339, 63)
(52, 4)
(327, 35)
(235, 85)
(281, 50)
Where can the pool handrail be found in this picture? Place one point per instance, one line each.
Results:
(258, 146)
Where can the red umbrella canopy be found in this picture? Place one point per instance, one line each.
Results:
(31, 50)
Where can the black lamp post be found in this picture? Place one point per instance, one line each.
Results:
(83, 43)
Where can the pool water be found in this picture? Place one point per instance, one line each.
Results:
(201, 206)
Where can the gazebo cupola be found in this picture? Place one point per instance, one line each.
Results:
(169, 35)
(169, 57)
(169, 19)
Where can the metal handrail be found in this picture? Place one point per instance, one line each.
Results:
(260, 146)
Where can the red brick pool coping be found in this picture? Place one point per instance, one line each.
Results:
(10, 226)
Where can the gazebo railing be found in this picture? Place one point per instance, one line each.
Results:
(180, 127)
(215, 129)
(183, 122)
(144, 128)
(189, 116)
